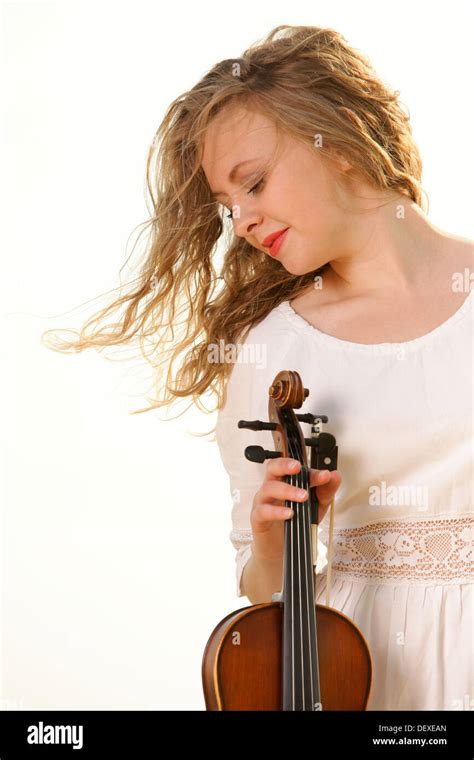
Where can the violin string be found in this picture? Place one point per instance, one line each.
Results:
(301, 520)
(293, 505)
(309, 570)
(302, 524)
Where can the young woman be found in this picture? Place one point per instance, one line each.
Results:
(331, 268)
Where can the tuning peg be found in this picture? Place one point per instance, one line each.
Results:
(257, 425)
(311, 418)
(259, 454)
(324, 442)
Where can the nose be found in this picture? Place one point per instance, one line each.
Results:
(245, 220)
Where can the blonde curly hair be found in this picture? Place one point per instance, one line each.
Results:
(299, 77)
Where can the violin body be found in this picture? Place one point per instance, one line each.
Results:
(290, 653)
(242, 665)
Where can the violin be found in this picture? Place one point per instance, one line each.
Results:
(290, 653)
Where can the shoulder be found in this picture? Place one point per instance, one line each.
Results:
(457, 263)
(257, 356)
(272, 333)
(459, 250)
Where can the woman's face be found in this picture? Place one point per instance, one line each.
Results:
(299, 191)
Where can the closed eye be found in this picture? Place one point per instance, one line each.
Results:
(256, 188)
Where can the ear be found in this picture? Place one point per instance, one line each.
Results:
(341, 161)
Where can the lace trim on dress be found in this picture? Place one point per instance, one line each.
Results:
(240, 538)
(426, 551)
(420, 552)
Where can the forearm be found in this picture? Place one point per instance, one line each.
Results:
(261, 578)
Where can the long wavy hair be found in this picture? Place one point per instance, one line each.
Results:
(306, 79)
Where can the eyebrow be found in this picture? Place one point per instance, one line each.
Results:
(233, 173)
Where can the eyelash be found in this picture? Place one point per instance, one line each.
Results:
(252, 189)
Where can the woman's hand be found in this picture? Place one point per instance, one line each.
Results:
(268, 510)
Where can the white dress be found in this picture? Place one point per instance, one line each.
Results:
(402, 415)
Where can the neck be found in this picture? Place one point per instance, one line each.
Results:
(390, 244)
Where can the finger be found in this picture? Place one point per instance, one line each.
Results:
(280, 466)
(327, 486)
(320, 477)
(270, 512)
(278, 489)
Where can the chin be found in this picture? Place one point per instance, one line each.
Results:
(298, 269)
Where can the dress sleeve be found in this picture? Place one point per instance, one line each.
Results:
(247, 399)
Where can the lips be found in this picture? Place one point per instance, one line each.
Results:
(271, 238)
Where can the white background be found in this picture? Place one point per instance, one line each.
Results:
(116, 561)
